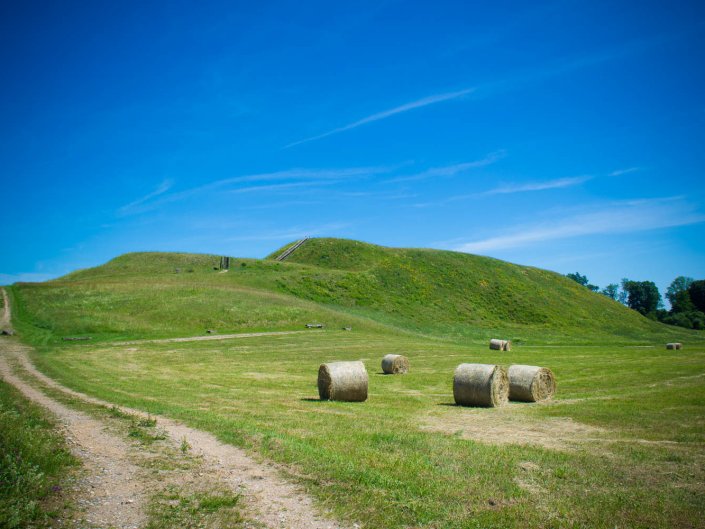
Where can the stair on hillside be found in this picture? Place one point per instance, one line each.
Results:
(291, 249)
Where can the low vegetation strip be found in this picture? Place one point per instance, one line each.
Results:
(34, 461)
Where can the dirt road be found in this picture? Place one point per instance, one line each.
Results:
(270, 499)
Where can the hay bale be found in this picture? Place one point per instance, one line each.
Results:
(674, 345)
(480, 385)
(395, 364)
(531, 383)
(346, 381)
(500, 345)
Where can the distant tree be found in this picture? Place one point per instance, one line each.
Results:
(623, 295)
(681, 302)
(583, 280)
(679, 320)
(697, 294)
(678, 285)
(642, 296)
(580, 279)
(611, 291)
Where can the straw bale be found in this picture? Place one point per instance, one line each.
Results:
(480, 385)
(500, 345)
(531, 383)
(395, 364)
(345, 381)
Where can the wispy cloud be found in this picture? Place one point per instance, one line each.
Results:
(536, 186)
(306, 176)
(280, 187)
(620, 172)
(613, 218)
(450, 170)
(513, 188)
(160, 190)
(431, 100)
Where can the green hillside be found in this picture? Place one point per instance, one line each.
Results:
(441, 294)
(457, 294)
(620, 445)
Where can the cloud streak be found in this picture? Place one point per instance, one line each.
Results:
(620, 172)
(513, 188)
(447, 171)
(160, 190)
(305, 176)
(536, 186)
(419, 103)
(614, 218)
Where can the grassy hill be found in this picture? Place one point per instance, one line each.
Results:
(457, 294)
(621, 445)
(442, 294)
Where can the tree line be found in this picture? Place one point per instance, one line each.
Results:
(686, 296)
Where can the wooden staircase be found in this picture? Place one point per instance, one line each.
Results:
(291, 249)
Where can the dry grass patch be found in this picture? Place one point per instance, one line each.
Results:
(511, 425)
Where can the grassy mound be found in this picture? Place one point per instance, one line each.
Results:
(457, 294)
(442, 294)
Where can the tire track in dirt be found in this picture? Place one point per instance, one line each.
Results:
(211, 337)
(117, 495)
(270, 499)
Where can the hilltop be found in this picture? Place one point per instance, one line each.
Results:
(442, 294)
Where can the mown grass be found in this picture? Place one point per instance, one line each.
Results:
(34, 461)
(621, 446)
(180, 496)
(408, 456)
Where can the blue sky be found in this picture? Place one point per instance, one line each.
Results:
(566, 135)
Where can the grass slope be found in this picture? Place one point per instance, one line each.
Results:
(457, 294)
(447, 295)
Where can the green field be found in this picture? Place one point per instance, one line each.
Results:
(622, 445)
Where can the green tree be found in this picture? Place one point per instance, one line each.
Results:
(611, 291)
(582, 280)
(642, 296)
(681, 302)
(678, 285)
(697, 294)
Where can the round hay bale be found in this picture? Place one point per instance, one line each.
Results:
(346, 381)
(531, 383)
(500, 345)
(395, 364)
(480, 385)
(674, 345)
